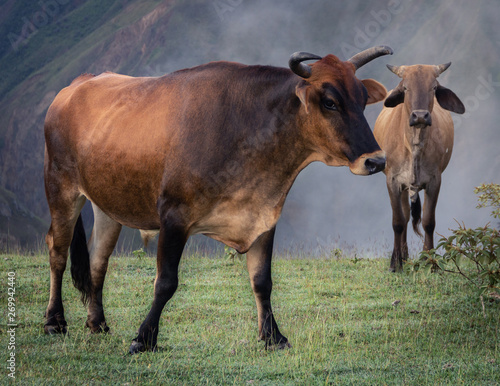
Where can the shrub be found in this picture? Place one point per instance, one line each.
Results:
(472, 253)
(231, 254)
(489, 196)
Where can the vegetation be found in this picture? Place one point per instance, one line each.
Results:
(231, 254)
(489, 196)
(474, 254)
(349, 321)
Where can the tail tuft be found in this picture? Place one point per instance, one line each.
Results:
(416, 210)
(80, 261)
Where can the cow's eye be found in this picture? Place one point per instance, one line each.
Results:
(329, 104)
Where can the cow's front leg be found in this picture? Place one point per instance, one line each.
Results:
(171, 243)
(259, 268)
(399, 222)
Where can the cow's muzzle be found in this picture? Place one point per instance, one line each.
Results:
(375, 165)
(368, 164)
(420, 118)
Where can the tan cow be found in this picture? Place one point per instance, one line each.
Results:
(417, 135)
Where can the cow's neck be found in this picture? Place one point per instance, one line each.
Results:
(263, 166)
(415, 139)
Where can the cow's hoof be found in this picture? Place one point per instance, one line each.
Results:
(55, 329)
(136, 347)
(279, 346)
(101, 328)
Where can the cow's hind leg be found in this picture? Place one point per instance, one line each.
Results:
(405, 202)
(171, 241)
(259, 268)
(101, 244)
(429, 213)
(64, 210)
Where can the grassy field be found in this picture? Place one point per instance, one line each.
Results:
(338, 314)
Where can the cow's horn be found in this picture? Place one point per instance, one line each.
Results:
(368, 55)
(442, 68)
(398, 70)
(299, 68)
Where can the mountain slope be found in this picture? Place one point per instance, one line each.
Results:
(48, 43)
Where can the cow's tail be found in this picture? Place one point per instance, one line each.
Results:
(416, 212)
(80, 261)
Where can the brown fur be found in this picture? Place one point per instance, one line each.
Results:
(212, 150)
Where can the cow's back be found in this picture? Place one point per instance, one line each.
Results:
(140, 138)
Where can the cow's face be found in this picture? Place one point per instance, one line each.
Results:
(417, 90)
(333, 101)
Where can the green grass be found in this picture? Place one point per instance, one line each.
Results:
(338, 315)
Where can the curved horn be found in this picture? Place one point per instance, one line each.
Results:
(442, 68)
(398, 70)
(299, 68)
(368, 55)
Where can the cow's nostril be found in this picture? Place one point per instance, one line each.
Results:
(420, 117)
(375, 165)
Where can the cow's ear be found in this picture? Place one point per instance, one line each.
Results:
(448, 100)
(302, 91)
(376, 90)
(396, 97)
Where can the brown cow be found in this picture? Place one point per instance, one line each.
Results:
(417, 135)
(212, 149)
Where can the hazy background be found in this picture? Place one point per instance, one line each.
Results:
(48, 43)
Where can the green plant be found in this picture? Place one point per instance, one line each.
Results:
(472, 253)
(139, 253)
(337, 253)
(356, 259)
(489, 196)
(231, 254)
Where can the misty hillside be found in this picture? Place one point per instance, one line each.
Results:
(46, 44)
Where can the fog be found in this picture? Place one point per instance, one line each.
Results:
(329, 207)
